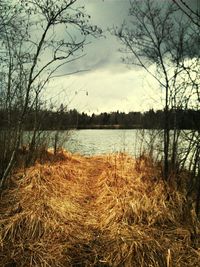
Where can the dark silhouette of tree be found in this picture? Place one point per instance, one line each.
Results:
(33, 50)
(155, 36)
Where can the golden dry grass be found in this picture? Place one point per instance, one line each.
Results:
(107, 210)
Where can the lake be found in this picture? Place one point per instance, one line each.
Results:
(93, 142)
(130, 141)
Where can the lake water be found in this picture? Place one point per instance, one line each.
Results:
(133, 142)
(93, 142)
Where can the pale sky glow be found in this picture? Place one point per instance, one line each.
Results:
(110, 84)
(104, 90)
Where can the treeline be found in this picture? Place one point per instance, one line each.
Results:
(72, 119)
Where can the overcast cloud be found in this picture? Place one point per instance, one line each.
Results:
(108, 85)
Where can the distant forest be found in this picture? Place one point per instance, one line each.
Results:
(72, 119)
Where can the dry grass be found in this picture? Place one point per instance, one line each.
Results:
(142, 221)
(98, 211)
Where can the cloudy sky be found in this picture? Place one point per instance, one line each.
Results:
(107, 84)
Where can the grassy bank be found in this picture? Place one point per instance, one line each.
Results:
(107, 210)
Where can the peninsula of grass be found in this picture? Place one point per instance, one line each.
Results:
(109, 210)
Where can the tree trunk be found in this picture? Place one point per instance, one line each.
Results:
(166, 137)
(10, 165)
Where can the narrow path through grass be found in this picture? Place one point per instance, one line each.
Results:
(100, 211)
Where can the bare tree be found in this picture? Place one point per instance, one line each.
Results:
(191, 13)
(39, 38)
(193, 81)
(156, 36)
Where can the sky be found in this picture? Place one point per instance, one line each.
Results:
(106, 84)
